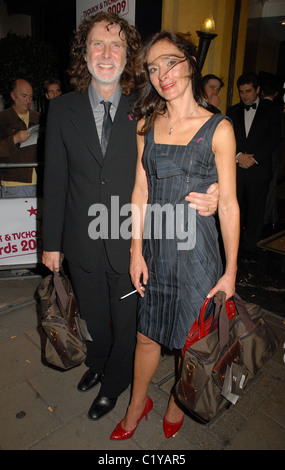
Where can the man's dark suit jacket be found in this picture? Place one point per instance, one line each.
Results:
(77, 176)
(11, 124)
(262, 139)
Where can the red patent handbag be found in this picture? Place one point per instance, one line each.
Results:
(201, 328)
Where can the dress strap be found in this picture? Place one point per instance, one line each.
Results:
(207, 131)
(150, 136)
(215, 121)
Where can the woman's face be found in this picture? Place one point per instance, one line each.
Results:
(169, 70)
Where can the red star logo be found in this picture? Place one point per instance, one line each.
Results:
(32, 211)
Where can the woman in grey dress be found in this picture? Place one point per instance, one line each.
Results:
(175, 259)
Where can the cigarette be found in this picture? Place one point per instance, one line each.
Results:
(130, 293)
(255, 161)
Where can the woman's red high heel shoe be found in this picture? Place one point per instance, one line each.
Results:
(120, 433)
(171, 428)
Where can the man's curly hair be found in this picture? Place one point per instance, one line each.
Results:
(78, 72)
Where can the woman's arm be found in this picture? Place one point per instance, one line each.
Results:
(224, 148)
(138, 268)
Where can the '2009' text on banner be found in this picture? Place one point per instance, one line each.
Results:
(124, 8)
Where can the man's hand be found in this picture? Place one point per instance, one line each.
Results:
(21, 137)
(246, 160)
(205, 204)
(215, 100)
(52, 260)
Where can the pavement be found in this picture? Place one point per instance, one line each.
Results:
(41, 409)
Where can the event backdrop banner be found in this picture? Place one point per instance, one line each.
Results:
(124, 8)
(20, 231)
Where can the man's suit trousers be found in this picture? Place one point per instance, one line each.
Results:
(111, 322)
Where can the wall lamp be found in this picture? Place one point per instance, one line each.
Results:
(206, 35)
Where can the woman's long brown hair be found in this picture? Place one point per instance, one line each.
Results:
(149, 103)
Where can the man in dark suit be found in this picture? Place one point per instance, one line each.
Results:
(87, 186)
(257, 132)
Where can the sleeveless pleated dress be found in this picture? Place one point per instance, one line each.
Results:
(180, 247)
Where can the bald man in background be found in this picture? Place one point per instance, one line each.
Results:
(15, 125)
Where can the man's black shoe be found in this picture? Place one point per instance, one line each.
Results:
(100, 407)
(89, 380)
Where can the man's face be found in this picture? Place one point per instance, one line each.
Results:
(106, 53)
(53, 91)
(212, 87)
(22, 96)
(248, 94)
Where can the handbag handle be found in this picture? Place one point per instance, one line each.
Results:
(224, 330)
(201, 318)
(60, 290)
(218, 299)
(220, 315)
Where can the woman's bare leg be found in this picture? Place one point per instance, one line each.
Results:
(147, 357)
(174, 414)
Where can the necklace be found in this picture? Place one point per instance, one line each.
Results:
(173, 127)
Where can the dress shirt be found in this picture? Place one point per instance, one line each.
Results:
(249, 116)
(98, 108)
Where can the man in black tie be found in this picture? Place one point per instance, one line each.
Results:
(90, 164)
(257, 132)
(248, 106)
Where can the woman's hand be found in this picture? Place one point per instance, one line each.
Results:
(138, 272)
(225, 284)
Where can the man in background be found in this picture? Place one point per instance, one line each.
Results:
(212, 85)
(52, 88)
(16, 125)
(257, 131)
